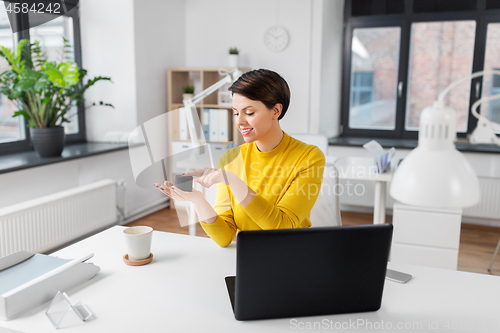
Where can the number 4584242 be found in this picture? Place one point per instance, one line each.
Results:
(53, 8)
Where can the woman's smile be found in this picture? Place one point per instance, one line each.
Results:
(246, 131)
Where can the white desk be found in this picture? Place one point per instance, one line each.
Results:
(183, 290)
(364, 168)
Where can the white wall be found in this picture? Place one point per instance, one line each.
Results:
(159, 36)
(331, 61)
(134, 46)
(213, 26)
(107, 31)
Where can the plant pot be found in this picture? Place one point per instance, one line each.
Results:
(233, 60)
(48, 141)
(187, 96)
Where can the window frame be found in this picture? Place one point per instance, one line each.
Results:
(383, 21)
(26, 144)
(482, 18)
(493, 16)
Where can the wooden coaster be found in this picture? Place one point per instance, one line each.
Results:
(138, 262)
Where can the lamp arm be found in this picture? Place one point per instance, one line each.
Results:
(481, 101)
(190, 102)
(485, 129)
(227, 79)
(467, 78)
(198, 98)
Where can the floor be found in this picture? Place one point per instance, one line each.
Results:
(477, 243)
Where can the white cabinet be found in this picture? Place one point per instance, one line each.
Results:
(426, 236)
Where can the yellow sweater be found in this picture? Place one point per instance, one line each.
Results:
(287, 181)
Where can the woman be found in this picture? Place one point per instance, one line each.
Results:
(270, 182)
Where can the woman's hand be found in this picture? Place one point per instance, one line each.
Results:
(175, 193)
(208, 176)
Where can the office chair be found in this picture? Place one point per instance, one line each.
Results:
(326, 210)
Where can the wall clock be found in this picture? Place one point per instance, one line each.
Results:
(276, 38)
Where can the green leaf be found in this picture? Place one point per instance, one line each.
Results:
(47, 98)
(42, 84)
(70, 73)
(40, 57)
(28, 79)
(7, 54)
(21, 113)
(26, 55)
(25, 51)
(93, 81)
(20, 47)
(83, 72)
(63, 76)
(54, 75)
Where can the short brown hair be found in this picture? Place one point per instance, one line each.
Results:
(265, 86)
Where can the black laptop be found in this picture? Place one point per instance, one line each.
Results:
(309, 272)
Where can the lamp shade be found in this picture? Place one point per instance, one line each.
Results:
(436, 174)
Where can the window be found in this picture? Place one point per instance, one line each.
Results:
(491, 84)
(399, 56)
(14, 136)
(374, 64)
(50, 36)
(494, 109)
(11, 129)
(440, 53)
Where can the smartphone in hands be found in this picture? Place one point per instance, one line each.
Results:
(184, 183)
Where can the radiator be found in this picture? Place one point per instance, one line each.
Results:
(48, 222)
(489, 206)
(363, 195)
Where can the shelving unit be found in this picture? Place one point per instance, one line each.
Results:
(201, 78)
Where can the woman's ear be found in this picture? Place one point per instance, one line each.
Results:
(278, 107)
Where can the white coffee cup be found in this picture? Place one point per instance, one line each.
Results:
(138, 242)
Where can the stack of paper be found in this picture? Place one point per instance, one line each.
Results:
(28, 280)
(382, 159)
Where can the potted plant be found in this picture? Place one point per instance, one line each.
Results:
(188, 91)
(44, 92)
(233, 57)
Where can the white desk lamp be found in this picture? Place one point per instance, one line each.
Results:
(436, 174)
(197, 161)
(189, 104)
(484, 132)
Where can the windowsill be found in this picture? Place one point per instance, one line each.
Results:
(408, 144)
(30, 159)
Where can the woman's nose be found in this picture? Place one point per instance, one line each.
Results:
(240, 120)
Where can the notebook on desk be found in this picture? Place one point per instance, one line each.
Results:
(307, 272)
